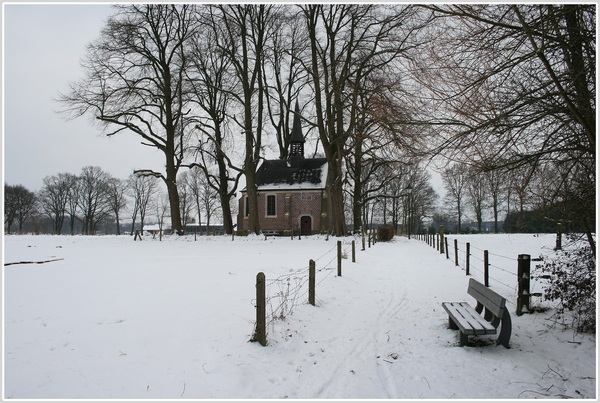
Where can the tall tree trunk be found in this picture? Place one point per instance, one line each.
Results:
(118, 224)
(357, 201)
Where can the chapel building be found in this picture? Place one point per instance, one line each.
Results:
(291, 192)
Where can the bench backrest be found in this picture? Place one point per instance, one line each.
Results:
(493, 301)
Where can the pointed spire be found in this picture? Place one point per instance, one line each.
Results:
(297, 140)
(297, 136)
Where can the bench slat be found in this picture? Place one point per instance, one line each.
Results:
(467, 318)
(494, 302)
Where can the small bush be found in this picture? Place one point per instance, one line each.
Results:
(385, 233)
(572, 283)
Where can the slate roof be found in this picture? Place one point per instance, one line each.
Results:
(310, 173)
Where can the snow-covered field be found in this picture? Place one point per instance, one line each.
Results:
(114, 318)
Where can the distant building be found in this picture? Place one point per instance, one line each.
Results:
(195, 228)
(155, 229)
(291, 192)
(486, 226)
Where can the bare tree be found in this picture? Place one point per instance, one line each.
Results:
(135, 80)
(161, 205)
(54, 198)
(19, 205)
(517, 81)
(204, 196)
(348, 44)
(186, 198)
(72, 205)
(455, 183)
(247, 28)
(142, 189)
(381, 138)
(208, 201)
(212, 79)
(422, 198)
(93, 201)
(10, 207)
(521, 180)
(283, 73)
(115, 194)
(497, 184)
(477, 192)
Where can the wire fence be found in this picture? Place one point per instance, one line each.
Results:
(501, 270)
(283, 294)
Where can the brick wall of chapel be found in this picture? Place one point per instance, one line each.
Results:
(289, 206)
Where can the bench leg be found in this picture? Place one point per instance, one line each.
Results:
(505, 330)
(451, 324)
(464, 339)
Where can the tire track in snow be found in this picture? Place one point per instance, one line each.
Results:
(391, 311)
(370, 345)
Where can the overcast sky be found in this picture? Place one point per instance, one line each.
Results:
(43, 47)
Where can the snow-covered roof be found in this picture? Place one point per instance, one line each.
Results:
(156, 227)
(307, 174)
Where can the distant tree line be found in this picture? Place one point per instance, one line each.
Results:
(501, 98)
(96, 202)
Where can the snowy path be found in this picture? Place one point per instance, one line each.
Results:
(172, 319)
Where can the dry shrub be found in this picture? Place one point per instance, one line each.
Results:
(385, 233)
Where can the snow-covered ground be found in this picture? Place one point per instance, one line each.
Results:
(112, 318)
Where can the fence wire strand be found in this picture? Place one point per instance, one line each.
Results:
(492, 268)
(287, 291)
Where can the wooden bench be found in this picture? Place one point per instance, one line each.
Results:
(272, 233)
(470, 321)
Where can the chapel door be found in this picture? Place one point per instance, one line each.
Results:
(305, 225)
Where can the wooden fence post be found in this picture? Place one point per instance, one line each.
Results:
(260, 334)
(447, 252)
(441, 238)
(486, 269)
(559, 236)
(523, 276)
(468, 258)
(311, 282)
(339, 257)
(456, 252)
(353, 253)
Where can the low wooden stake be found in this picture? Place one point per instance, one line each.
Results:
(486, 269)
(456, 252)
(339, 257)
(260, 334)
(468, 258)
(311, 282)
